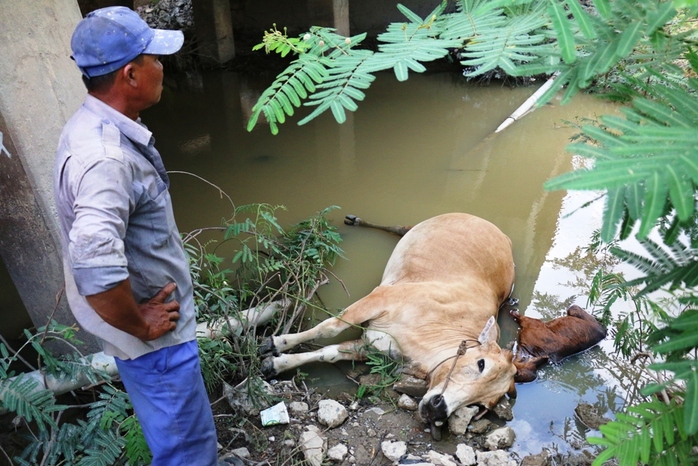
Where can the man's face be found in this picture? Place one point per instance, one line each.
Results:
(150, 79)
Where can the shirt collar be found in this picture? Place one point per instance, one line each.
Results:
(134, 130)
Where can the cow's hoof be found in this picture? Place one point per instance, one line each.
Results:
(352, 220)
(268, 371)
(515, 314)
(268, 348)
(511, 302)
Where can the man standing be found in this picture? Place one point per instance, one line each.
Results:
(127, 277)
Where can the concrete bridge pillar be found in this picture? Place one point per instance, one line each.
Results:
(214, 30)
(40, 88)
(330, 13)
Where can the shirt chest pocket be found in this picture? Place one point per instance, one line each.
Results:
(152, 222)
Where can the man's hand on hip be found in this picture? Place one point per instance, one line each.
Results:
(148, 321)
(161, 316)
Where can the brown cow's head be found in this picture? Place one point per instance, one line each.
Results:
(481, 375)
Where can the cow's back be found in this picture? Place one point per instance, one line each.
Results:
(450, 248)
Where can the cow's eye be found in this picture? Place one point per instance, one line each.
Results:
(481, 364)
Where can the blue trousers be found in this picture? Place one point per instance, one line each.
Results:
(168, 394)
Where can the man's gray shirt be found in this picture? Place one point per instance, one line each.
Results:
(116, 220)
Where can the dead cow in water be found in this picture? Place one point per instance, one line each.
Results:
(555, 340)
(435, 308)
(442, 286)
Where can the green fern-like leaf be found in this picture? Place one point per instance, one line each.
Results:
(342, 86)
(654, 150)
(405, 45)
(23, 396)
(471, 18)
(583, 19)
(136, 448)
(294, 84)
(518, 42)
(673, 267)
(565, 35)
(646, 433)
(106, 450)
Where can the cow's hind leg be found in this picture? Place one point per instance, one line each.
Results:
(347, 351)
(361, 311)
(326, 329)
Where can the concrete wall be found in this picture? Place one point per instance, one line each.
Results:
(40, 88)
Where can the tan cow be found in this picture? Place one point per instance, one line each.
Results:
(442, 286)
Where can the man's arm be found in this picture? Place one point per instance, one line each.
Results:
(146, 321)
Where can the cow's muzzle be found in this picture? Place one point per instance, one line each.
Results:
(435, 412)
(433, 409)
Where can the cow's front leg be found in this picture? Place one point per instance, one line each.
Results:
(347, 351)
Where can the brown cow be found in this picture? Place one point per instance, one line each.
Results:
(555, 340)
(441, 291)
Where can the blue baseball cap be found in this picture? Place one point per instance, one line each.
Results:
(108, 38)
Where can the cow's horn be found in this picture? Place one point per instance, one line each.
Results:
(435, 431)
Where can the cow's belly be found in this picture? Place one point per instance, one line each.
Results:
(383, 342)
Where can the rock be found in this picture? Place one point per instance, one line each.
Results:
(407, 403)
(331, 413)
(480, 426)
(541, 459)
(584, 458)
(375, 412)
(239, 400)
(590, 416)
(494, 458)
(460, 419)
(466, 455)
(313, 446)
(414, 460)
(503, 409)
(500, 438)
(370, 380)
(411, 386)
(298, 408)
(338, 452)
(168, 14)
(364, 453)
(393, 450)
(241, 452)
(440, 459)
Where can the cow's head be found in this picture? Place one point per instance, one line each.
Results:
(481, 375)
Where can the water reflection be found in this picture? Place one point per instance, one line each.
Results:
(413, 150)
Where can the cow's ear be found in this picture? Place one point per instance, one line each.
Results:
(490, 333)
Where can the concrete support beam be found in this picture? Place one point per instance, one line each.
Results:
(40, 88)
(214, 30)
(330, 13)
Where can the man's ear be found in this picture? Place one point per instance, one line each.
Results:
(128, 74)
